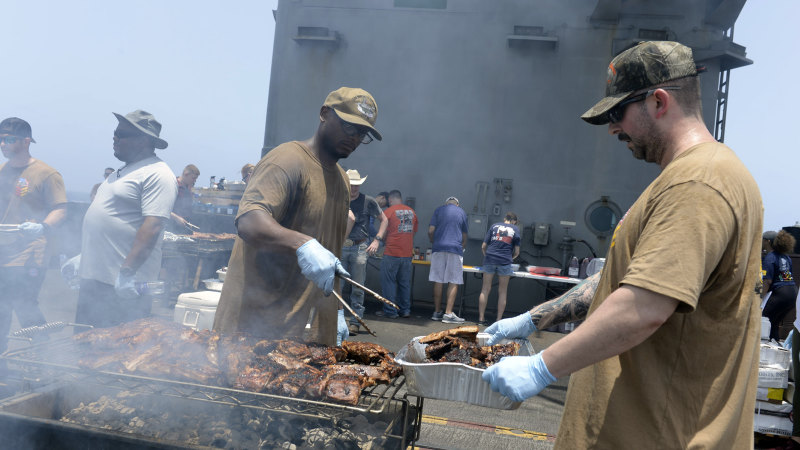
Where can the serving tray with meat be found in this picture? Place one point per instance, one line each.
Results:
(448, 365)
(160, 349)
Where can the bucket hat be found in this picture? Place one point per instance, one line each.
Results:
(146, 123)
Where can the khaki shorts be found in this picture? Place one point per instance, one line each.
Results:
(447, 268)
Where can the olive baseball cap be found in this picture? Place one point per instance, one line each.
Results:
(356, 106)
(647, 64)
(16, 127)
(146, 123)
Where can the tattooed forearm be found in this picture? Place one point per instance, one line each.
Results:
(569, 307)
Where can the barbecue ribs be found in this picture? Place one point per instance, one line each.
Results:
(155, 348)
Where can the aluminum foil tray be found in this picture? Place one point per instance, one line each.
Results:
(452, 381)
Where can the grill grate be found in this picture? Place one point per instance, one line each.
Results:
(58, 361)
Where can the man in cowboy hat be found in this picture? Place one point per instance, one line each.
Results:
(648, 367)
(292, 217)
(357, 247)
(32, 195)
(123, 227)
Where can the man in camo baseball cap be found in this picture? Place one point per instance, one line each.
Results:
(647, 64)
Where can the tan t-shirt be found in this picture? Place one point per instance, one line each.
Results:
(265, 293)
(693, 235)
(27, 194)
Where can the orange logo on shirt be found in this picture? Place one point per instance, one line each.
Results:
(21, 188)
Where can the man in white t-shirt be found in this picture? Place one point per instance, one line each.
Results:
(123, 227)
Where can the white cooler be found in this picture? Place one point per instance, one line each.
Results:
(197, 309)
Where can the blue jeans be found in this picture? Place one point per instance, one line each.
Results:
(354, 260)
(396, 283)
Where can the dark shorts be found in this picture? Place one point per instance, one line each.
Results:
(100, 306)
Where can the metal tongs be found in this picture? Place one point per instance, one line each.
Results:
(367, 290)
(191, 226)
(9, 227)
(347, 307)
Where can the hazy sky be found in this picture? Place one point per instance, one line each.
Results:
(202, 68)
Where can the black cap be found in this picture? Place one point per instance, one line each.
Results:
(16, 127)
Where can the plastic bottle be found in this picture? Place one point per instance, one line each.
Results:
(150, 287)
(574, 268)
(584, 266)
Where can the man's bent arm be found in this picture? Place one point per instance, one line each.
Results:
(624, 320)
(259, 229)
(146, 238)
(56, 216)
(568, 307)
(384, 224)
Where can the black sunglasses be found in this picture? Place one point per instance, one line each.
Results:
(352, 130)
(616, 113)
(9, 139)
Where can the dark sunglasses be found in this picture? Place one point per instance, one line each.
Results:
(352, 130)
(9, 139)
(125, 134)
(616, 113)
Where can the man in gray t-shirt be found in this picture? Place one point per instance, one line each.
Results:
(124, 226)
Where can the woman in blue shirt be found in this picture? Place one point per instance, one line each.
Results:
(777, 269)
(500, 247)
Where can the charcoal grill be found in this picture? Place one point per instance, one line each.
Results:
(56, 361)
(203, 251)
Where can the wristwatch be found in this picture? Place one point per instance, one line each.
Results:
(127, 272)
(379, 238)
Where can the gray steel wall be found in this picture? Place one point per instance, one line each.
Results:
(458, 104)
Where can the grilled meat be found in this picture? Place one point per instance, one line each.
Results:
(460, 355)
(286, 362)
(155, 348)
(436, 349)
(460, 346)
(496, 352)
(369, 375)
(343, 389)
(469, 332)
(365, 352)
(322, 355)
(293, 349)
(293, 382)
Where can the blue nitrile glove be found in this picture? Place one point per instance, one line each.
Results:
(31, 230)
(319, 265)
(342, 332)
(519, 377)
(515, 327)
(126, 286)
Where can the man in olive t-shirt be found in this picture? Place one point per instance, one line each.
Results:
(292, 214)
(668, 355)
(32, 196)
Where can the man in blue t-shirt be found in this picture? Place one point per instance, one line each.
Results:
(448, 233)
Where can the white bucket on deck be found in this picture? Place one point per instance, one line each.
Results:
(197, 309)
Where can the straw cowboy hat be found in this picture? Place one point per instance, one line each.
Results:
(355, 177)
